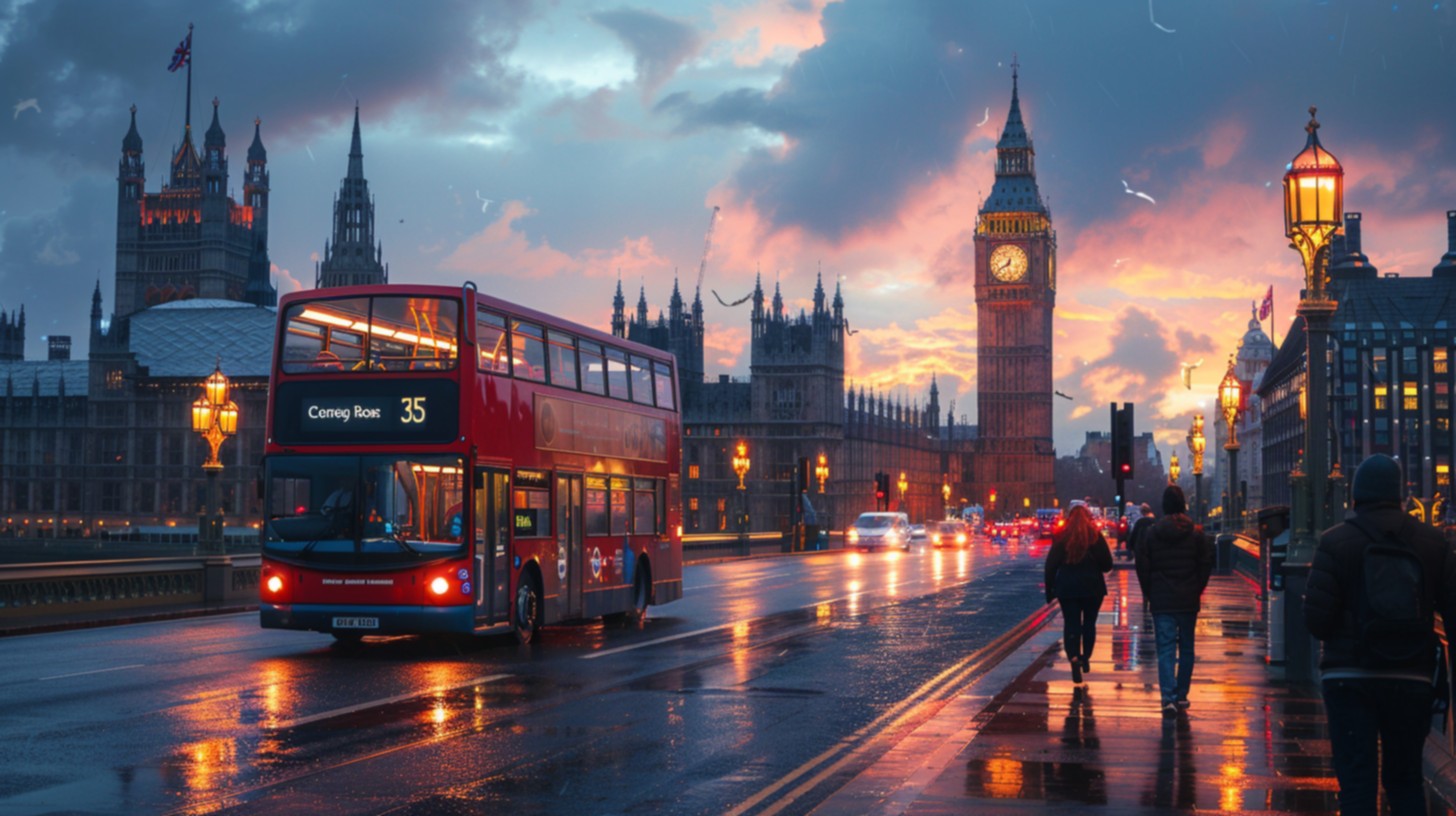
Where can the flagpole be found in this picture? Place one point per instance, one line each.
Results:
(189, 77)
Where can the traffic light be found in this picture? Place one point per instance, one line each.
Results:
(803, 474)
(1122, 434)
(882, 488)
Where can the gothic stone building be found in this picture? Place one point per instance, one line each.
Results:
(793, 407)
(105, 444)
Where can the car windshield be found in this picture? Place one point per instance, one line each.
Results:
(376, 510)
(873, 522)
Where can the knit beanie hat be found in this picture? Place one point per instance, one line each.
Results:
(1173, 501)
(1377, 480)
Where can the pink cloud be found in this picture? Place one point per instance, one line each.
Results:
(769, 29)
(502, 249)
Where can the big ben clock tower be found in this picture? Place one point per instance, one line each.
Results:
(1016, 286)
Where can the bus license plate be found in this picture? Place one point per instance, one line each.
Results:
(356, 623)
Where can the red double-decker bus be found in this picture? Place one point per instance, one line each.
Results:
(443, 461)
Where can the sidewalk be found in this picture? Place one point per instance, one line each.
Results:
(1024, 739)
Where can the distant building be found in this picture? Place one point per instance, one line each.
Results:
(1391, 377)
(1251, 361)
(794, 407)
(105, 445)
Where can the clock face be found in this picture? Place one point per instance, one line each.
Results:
(1008, 263)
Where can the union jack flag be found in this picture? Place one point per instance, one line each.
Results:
(1267, 307)
(182, 57)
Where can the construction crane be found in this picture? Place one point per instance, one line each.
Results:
(707, 247)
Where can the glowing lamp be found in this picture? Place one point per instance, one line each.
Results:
(1314, 192)
(1230, 401)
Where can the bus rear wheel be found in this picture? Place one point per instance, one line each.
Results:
(528, 610)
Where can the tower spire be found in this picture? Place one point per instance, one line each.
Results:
(356, 153)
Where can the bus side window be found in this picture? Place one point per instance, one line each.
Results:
(530, 363)
(617, 373)
(641, 374)
(662, 377)
(593, 368)
(563, 359)
(492, 342)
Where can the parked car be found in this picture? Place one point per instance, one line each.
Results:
(872, 531)
(949, 534)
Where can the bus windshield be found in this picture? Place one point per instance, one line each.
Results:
(379, 510)
(371, 333)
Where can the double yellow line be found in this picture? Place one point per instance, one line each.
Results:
(941, 688)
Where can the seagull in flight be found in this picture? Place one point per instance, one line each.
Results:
(743, 299)
(1063, 396)
(1187, 370)
(23, 104)
(1131, 191)
(484, 202)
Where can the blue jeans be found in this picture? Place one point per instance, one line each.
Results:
(1396, 715)
(1174, 632)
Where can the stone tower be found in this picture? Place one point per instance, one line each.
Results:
(1016, 281)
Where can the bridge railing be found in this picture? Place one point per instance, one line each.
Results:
(28, 591)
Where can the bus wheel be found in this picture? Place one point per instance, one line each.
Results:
(528, 610)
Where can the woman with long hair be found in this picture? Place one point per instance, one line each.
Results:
(1078, 557)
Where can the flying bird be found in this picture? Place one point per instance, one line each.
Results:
(484, 202)
(743, 299)
(26, 103)
(1063, 396)
(1187, 369)
(1131, 191)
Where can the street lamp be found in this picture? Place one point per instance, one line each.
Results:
(1230, 401)
(740, 463)
(1313, 213)
(904, 485)
(1173, 470)
(1196, 444)
(215, 417)
(945, 495)
(821, 471)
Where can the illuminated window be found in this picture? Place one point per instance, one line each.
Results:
(1412, 394)
(693, 504)
(693, 474)
(1443, 476)
(114, 380)
(1381, 392)
(1438, 360)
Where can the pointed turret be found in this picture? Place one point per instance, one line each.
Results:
(256, 151)
(619, 312)
(819, 293)
(675, 304)
(1447, 266)
(356, 152)
(255, 183)
(778, 303)
(214, 136)
(355, 258)
(642, 305)
(758, 300)
(131, 179)
(132, 141)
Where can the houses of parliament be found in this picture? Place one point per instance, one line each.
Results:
(104, 445)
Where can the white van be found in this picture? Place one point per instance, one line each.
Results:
(874, 530)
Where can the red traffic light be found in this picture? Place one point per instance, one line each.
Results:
(879, 494)
(1126, 468)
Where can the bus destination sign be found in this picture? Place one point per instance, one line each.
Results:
(367, 412)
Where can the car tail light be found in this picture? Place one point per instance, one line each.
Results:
(440, 586)
(274, 584)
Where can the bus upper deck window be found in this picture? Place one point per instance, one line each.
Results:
(640, 369)
(530, 346)
(492, 342)
(562, 348)
(617, 373)
(662, 377)
(593, 368)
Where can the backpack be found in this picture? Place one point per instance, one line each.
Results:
(1393, 616)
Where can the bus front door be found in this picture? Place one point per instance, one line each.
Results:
(569, 543)
(492, 538)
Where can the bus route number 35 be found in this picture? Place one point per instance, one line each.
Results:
(414, 410)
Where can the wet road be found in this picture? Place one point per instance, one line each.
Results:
(770, 684)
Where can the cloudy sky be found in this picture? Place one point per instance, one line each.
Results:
(543, 149)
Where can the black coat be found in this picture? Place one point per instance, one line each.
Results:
(1082, 579)
(1174, 561)
(1331, 595)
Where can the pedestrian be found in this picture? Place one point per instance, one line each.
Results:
(1375, 582)
(1139, 528)
(1075, 563)
(1174, 560)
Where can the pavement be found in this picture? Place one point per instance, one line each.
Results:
(1024, 738)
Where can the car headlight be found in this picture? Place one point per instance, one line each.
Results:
(853, 534)
(960, 538)
(935, 538)
(892, 536)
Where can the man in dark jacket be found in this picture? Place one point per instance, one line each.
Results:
(1139, 528)
(1174, 561)
(1370, 701)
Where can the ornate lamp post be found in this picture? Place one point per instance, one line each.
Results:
(1230, 401)
(1196, 446)
(821, 471)
(904, 485)
(1313, 213)
(740, 467)
(945, 496)
(215, 417)
(1173, 470)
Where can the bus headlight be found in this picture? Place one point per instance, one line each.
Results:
(274, 584)
(439, 586)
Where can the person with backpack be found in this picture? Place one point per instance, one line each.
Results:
(1376, 581)
(1139, 529)
(1174, 561)
(1075, 563)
